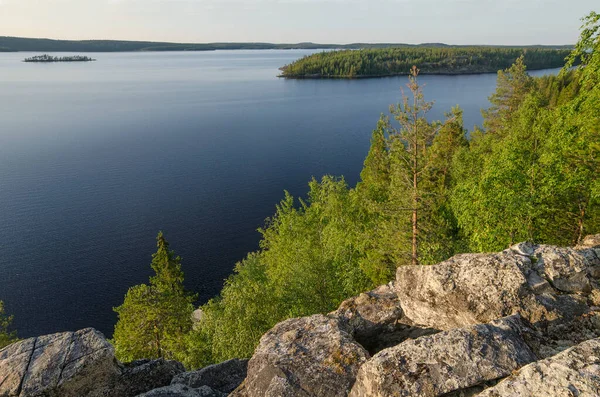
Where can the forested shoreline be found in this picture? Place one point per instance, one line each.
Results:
(385, 62)
(49, 45)
(428, 190)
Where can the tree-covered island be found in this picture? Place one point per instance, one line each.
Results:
(50, 58)
(382, 62)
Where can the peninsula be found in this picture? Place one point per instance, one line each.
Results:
(383, 62)
(50, 58)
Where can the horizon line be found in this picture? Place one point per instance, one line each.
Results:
(290, 43)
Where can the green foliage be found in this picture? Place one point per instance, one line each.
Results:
(407, 173)
(399, 60)
(533, 175)
(6, 336)
(308, 263)
(154, 319)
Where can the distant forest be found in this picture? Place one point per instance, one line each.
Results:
(378, 62)
(48, 45)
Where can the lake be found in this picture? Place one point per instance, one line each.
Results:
(96, 158)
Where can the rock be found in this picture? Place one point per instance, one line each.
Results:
(464, 290)
(76, 364)
(310, 356)
(592, 241)
(65, 364)
(542, 283)
(574, 372)
(14, 360)
(370, 312)
(374, 318)
(224, 377)
(143, 375)
(446, 362)
(179, 390)
(564, 268)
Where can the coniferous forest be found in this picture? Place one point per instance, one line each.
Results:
(438, 60)
(428, 190)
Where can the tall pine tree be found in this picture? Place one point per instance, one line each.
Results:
(154, 319)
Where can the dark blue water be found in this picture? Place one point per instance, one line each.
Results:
(96, 158)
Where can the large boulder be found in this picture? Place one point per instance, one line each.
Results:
(445, 362)
(69, 364)
(76, 364)
(544, 284)
(304, 357)
(224, 377)
(573, 372)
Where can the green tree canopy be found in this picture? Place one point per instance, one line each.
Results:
(154, 319)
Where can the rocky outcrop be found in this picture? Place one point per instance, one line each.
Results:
(522, 322)
(498, 312)
(224, 377)
(448, 361)
(542, 283)
(574, 372)
(76, 364)
(66, 364)
(303, 357)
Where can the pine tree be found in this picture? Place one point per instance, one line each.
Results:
(154, 319)
(6, 337)
(512, 86)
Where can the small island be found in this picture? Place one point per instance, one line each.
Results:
(50, 58)
(383, 62)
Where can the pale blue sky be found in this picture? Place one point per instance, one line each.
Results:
(331, 21)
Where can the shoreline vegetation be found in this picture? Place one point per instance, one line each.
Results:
(388, 62)
(49, 58)
(13, 44)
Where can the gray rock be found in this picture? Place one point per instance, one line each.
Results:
(544, 284)
(464, 290)
(310, 356)
(76, 364)
(574, 372)
(14, 361)
(374, 318)
(179, 390)
(446, 362)
(225, 377)
(143, 375)
(370, 312)
(565, 268)
(69, 364)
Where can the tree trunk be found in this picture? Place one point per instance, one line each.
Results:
(415, 203)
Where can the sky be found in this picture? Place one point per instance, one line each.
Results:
(508, 22)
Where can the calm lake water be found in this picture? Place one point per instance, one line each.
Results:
(96, 158)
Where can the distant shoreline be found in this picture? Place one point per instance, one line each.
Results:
(23, 44)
